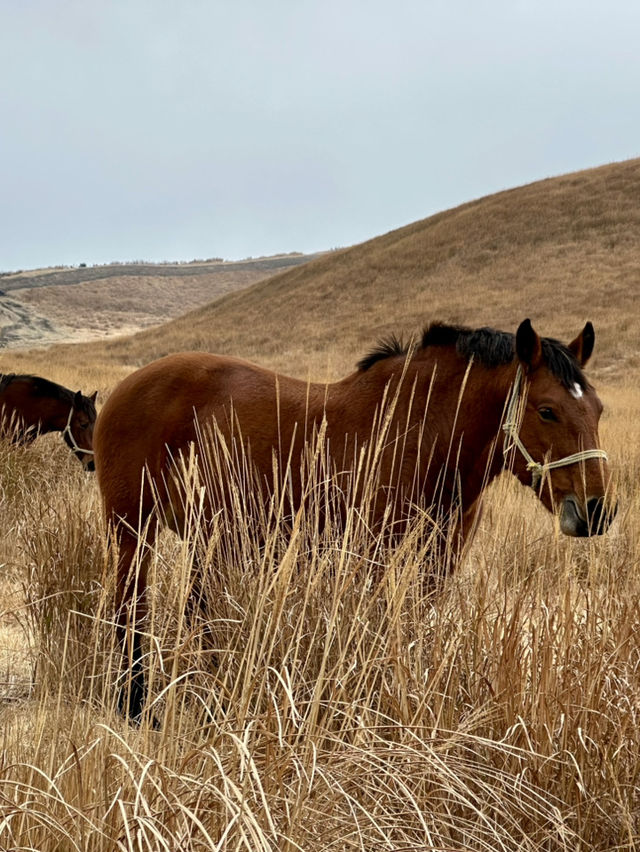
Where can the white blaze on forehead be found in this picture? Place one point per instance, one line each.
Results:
(576, 391)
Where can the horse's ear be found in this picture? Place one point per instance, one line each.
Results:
(528, 345)
(582, 346)
(77, 400)
(93, 397)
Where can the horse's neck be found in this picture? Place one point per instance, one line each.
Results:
(52, 414)
(449, 416)
(463, 426)
(483, 405)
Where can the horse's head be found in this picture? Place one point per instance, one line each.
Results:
(558, 435)
(78, 433)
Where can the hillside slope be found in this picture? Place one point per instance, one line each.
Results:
(560, 251)
(85, 303)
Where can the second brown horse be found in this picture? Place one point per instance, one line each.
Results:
(32, 406)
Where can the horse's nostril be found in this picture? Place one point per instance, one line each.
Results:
(91, 465)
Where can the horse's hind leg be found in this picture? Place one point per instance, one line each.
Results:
(200, 600)
(131, 610)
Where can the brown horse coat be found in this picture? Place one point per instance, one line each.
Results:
(446, 401)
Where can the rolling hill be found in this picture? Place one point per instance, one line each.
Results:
(561, 251)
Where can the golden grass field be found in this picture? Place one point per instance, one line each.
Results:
(338, 703)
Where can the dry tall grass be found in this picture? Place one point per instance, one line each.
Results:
(329, 699)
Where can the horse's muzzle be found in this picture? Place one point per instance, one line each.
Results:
(594, 518)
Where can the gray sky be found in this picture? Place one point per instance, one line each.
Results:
(181, 129)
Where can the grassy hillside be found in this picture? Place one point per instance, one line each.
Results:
(561, 251)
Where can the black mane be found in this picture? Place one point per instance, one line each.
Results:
(386, 348)
(488, 347)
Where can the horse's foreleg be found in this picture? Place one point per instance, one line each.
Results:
(469, 522)
(453, 535)
(200, 600)
(461, 531)
(131, 609)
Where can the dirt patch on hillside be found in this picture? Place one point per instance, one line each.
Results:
(42, 307)
(120, 304)
(21, 325)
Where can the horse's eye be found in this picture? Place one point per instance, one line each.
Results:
(547, 414)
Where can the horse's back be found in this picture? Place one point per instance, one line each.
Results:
(155, 413)
(160, 401)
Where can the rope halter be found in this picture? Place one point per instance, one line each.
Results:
(511, 428)
(66, 432)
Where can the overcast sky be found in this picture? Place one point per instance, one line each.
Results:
(181, 129)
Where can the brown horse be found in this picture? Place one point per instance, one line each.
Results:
(453, 396)
(31, 406)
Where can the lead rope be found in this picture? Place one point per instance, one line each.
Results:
(511, 428)
(67, 431)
